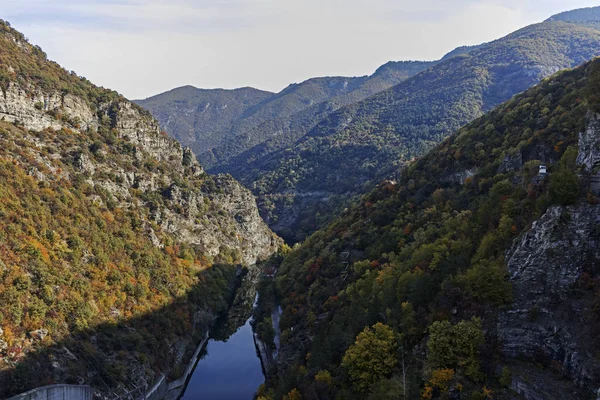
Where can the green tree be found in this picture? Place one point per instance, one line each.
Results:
(564, 187)
(294, 394)
(564, 184)
(372, 357)
(451, 346)
(506, 377)
(487, 283)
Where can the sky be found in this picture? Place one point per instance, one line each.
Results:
(145, 47)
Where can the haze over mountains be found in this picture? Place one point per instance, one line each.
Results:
(309, 149)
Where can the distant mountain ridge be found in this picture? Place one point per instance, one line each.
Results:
(221, 124)
(349, 151)
(579, 15)
(206, 113)
(305, 160)
(230, 127)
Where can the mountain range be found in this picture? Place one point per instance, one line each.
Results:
(219, 125)
(475, 275)
(446, 214)
(341, 147)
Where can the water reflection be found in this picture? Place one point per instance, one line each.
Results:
(229, 370)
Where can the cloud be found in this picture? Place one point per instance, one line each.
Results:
(143, 47)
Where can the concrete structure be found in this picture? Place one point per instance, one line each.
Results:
(57, 392)
(158, 391)
(175, 388)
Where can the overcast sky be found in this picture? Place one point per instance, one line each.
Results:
(144, 47)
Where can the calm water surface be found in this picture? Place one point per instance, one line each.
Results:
(230, 370)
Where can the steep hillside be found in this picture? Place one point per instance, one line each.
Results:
(222, 125)
(117, 250)
(202, 118)
(281, 132)
(579, 15)
(474, 276)
(358, 145)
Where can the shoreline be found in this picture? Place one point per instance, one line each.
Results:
(176, 387)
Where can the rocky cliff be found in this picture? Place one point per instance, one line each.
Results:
(237, 225)
(552, 320)
(117, 250)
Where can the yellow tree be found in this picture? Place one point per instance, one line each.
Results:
(372, 357)
(294, 394)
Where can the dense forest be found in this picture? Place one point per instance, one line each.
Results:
(351, 150)
(408, 294)
(117, 251)
(228, 128)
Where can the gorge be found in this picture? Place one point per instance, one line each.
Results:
(442, 221)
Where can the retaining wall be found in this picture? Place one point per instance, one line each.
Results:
(57, 392)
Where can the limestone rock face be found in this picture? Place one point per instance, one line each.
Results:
(461, 176)
(39, 334)
(37, 110)
(235, 224)
(17, 106)
(143, 131)
(3, 343)
(240, 204)
(589, 144)
(216, 213)
(512, 162)
(548, 321)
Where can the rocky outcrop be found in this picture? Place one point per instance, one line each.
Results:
(460, 177)
(143, 131)
(589, 145)
(234, 222)
(3, 342)
(36, 110)
(511, 162)
(216, 214)
(548, 321)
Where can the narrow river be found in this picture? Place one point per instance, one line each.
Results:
(227, 370)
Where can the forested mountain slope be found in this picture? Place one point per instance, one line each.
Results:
(473, 276)
(579, 15)
(203, 120)
(358, 145)
(200, 117)
(276, 133)
(117, 250)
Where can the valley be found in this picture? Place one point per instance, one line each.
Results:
(347, 150)
(429, 231)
